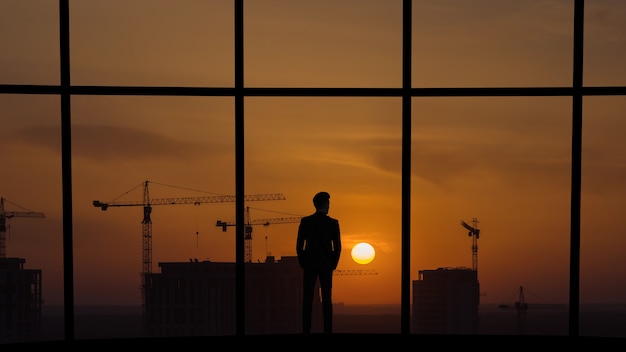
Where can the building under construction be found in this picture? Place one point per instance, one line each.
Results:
(197, 298)
(446, 301)
(20, 301)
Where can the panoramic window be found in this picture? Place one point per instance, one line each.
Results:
(160, 155)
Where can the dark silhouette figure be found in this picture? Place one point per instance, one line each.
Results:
(318, 247)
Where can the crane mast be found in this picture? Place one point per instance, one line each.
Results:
(474, 232)
(4, 215)
(146, 223)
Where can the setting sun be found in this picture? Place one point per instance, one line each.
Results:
(363, 253)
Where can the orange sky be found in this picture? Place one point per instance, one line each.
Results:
(504, 161)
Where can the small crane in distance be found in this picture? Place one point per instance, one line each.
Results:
(474, 232)
(4, 215)
(343, 272)
(248, 228)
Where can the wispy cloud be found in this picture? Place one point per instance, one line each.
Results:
(107, 143)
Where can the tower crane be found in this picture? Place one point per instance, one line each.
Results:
(4, 215)
(248, 228)
(146, 223)
(521, 305)
(474, 232)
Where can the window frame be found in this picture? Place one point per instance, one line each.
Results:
(65, 90)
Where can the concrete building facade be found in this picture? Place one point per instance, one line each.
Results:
(20, 301)
(446, 301)
(197, 298)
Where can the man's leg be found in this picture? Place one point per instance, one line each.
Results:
(308, 288)
(326, 285)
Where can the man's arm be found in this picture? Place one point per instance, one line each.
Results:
(300, 244)
(336, 244)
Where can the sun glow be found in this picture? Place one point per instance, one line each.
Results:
(363, 253)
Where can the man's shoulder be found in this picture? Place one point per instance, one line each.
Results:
(308, 217)
(318, 217)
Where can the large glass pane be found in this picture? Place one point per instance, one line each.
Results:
(152, 43)
(156, 255)
(323, 43)
(490, 43)
(29, 37)
(605, 44)
(501, 166)
(350, 148)
(31, 229)
(183, 147)
(602, 291)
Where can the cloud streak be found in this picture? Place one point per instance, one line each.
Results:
(111, 143)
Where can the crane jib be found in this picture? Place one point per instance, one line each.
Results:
(188, 200)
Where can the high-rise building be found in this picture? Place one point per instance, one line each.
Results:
(446, 301)
(20, 301)
(197, 298)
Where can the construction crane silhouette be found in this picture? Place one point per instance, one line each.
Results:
(4, 215)
(146, 223)
(248, 228)
(521, 305)
(474, 232)
(340, 272)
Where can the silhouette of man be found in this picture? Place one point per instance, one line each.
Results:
(318, 247)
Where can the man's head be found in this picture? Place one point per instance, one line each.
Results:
(321, 201)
